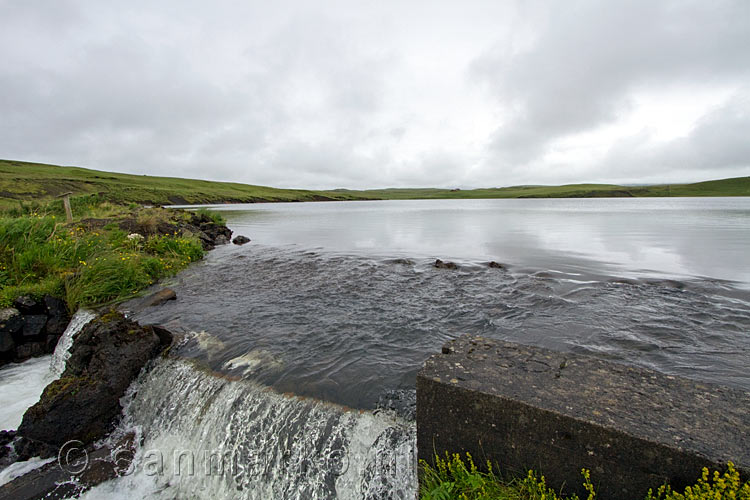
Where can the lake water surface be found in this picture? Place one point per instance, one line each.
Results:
(340, 300)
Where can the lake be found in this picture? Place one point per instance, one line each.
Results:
(341, 301)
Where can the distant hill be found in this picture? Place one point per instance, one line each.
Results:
(35, 181)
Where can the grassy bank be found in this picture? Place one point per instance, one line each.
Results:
(454, 478)
(33, 181)
(39, 182)
(91, 261)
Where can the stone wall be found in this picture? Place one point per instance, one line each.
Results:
(31, 327)
(530, 408)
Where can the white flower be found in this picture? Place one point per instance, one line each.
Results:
(135, 236)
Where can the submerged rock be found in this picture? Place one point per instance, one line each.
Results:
(496, 265)
(84, 402)
(159, 297)
(445, 265)
(240, 240)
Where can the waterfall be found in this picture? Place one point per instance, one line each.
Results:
(62, 351)
(207, 436)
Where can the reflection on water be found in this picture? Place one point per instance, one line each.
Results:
(706, 237)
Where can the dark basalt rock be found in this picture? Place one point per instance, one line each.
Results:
(57, 315)
(84, 402)
(496, 265)
(210, 233)
(27, 305)
(30, 350)
(445, 265)
(240, 240)
(11, 321)
(33, 326)
(77, 473)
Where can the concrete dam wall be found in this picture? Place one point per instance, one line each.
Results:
(526, 408)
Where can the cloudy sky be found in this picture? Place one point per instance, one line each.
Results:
(377, 94)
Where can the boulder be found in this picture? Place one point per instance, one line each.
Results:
(51, 343)
(240, 240)
(57, 315)
(496, 265)
(11, 321)
(28, 305)
(445, 265)
(33, 326)
(160, 297)
(30, 350)
(79, 470)
(84, 402)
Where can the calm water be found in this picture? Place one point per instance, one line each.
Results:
(681, 237)
(340, 301)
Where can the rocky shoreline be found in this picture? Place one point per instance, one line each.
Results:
(83, 405)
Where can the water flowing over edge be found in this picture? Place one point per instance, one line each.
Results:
(204, 436)
(62, 350)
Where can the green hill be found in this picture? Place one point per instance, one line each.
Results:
(34, 181)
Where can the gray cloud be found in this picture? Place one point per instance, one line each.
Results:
(325, 95)
(592, 57)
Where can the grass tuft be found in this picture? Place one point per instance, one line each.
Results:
(40, 254)
(453, 478)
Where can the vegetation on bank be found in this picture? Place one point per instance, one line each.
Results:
(35, 181)
(91, 261)
(39, 182)
(452, 478)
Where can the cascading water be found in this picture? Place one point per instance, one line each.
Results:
(206, 436)
(23, 383)
(62, 350)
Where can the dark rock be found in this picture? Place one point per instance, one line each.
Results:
(33, 326)
(209, 232)
(51, 343)
(57, 314)
(6, 343)
(81, 470)
(11, 321)
(240, 240)
(27, 305)
(85, 401)
(6, 437)
(445, 265)
(30, 350)
(159, 297)
(400, 401)
(496, 265)
(25, 449)
(525, 407)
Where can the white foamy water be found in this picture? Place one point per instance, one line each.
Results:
(205, 436)
(21, 384)
(62, 350)
(20, 387)
(19, 469)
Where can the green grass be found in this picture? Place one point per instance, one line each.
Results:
(453, 478)
(41, 254)
(35, 182)
(39, 182)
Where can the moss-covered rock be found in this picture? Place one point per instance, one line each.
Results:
(84, 403)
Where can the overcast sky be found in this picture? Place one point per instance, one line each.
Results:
(378, 94)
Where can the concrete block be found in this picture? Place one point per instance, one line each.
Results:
(530, 408)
